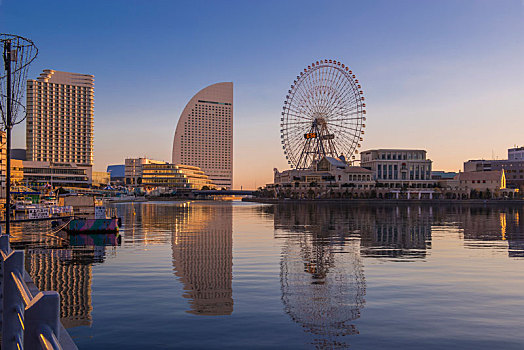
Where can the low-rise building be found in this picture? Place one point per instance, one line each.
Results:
(56, 174)
(513, 169)
(443, 175)
(476, 184)
(18, 153)
(16, 166)
(397, 168)
(133, 169)
(516, 153)
(117, 173)
(328, 175)
(480, 181)
(17, 172)
(101, 178)
(174, 176)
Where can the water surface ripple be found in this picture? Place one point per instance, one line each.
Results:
(295, 275)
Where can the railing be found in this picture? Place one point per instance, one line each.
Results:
(30, 319)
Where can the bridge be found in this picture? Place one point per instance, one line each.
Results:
(223, 193)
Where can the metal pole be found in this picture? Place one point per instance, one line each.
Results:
(7, 62)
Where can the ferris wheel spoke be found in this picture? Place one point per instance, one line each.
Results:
(336, 85)
(344, 117)
(351, 95)
(301, 104)
(306, 96)
(344, 85)
(297, 114)
(323, 91)
(343, 103)
(304, 93)
(347, 127)
(318, 88)
(299, 122)
(326, 82)
(345, 113)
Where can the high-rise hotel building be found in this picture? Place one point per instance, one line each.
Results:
(204, 134)
(60, 108)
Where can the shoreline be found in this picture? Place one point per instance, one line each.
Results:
(502, 202)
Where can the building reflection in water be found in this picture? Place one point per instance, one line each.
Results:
(322, 277)
(396, 232)
(202, 244)
(493, 227)
(148, 223)
(63, 263)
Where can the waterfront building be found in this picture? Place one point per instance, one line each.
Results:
(516, 153)
(328, 172)
(442, 175)
(56, 174)
(16, 167)
(513, 167)
(133, 169)
(100, 178)
(204, 134)
(60, 112)
(174, 176)
(397, 168)
(117, 172)
(328, 175)
(17, 171)
(480, 181)
(18, 153)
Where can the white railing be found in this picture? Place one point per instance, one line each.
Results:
(30, 318)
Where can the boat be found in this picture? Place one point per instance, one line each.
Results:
(89, 216)
(107, 225)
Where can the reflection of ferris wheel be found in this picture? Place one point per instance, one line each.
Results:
(323, 115)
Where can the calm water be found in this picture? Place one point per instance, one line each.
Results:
(240, 275)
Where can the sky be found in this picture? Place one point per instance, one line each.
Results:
(446, 76)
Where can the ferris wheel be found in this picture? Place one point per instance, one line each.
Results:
(323, 115)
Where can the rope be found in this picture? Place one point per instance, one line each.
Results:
(52, 233)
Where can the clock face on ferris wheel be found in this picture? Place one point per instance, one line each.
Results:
(323, 115)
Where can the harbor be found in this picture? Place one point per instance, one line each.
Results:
(261, 175)
(309, 267)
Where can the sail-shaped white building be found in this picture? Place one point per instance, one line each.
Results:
(204, 134)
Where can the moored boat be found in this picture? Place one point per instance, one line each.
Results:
(89, 216)
(107, 225)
